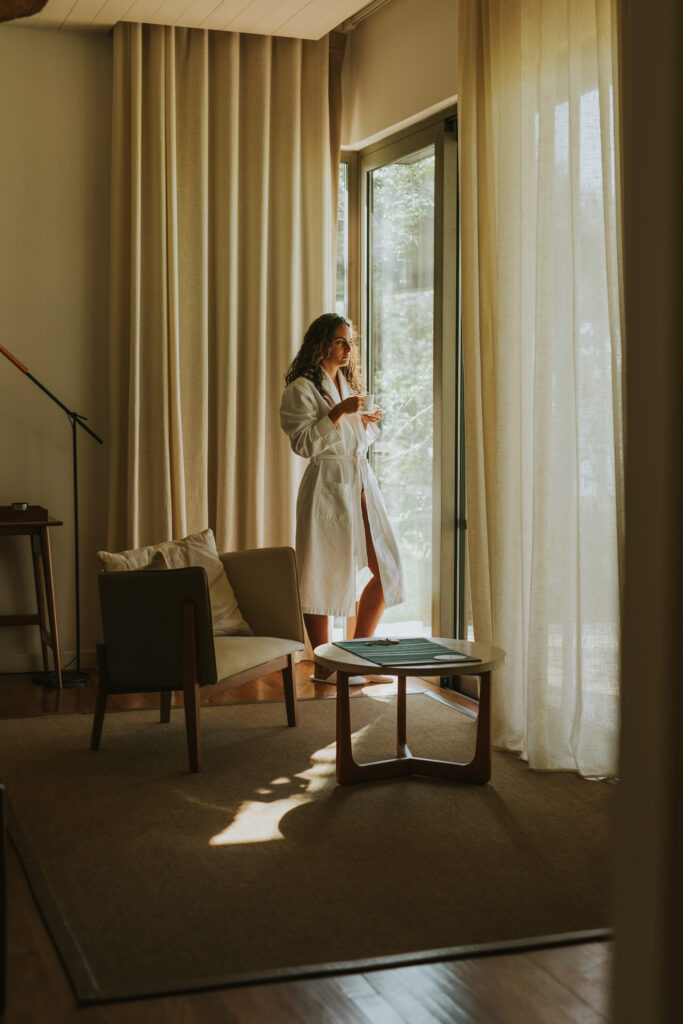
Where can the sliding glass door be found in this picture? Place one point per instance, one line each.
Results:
(410, 346)
(400, 366)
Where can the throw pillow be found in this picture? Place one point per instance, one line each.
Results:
(158, 562)
(197, 549)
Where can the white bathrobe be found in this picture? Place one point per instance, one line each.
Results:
(330, 539)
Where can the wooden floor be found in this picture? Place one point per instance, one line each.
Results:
(544, 986)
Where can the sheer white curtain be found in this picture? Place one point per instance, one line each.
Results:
(541, 274)
(225, 162)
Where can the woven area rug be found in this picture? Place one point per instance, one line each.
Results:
(153, 880)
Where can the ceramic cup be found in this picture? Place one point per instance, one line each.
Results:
(369, 403)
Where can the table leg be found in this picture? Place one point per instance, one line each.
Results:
(478, 770)
(38, 579)
(401, 748)
(50, 594)
(345, 762)
(45, 596)
(348, 770)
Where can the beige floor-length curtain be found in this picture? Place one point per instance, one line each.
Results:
(223, 220)
(541, 278)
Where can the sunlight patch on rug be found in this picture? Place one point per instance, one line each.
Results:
(258, 821)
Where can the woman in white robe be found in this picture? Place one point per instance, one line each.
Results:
(341, 520)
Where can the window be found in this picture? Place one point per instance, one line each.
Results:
(397, 280)
(341, 298)
(400, 367)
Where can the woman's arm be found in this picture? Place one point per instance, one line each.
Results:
(371, 423)
(350, 405)
(372, 417)
(310, 432)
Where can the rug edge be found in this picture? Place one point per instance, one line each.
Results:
(72, 957)
(88, 992)
(328, 970)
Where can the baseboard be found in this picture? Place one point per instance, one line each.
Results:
(31, 661)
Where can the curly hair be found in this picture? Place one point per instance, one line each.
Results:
(316, 346)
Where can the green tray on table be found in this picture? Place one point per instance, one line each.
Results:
(404, 651)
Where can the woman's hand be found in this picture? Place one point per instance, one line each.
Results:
(372, 417)
(349, 405)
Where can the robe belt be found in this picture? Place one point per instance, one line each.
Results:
(360, 476)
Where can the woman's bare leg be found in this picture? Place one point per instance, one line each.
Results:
(318, 629)
(371, 604)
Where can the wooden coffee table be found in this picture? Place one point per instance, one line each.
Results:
(345, 664)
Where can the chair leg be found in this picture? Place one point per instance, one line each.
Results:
(194, 739)
(101, 699)
(165, 706)
(290, 695)
(191, 689)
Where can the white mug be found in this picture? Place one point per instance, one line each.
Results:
(369, 403)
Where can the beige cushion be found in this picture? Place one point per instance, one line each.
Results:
(197, 549)
(236, 654)
(158, 562)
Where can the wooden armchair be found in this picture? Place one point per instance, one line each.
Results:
(158, 635)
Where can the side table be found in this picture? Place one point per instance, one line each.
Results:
(477, 770)
(38, 532)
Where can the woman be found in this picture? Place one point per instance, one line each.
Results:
(341, 522)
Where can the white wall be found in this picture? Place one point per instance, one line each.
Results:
(55, 131)
(399, 64)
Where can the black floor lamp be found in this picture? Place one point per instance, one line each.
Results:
(73, 677)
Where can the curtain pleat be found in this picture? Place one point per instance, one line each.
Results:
(223, 223)
(542, 309)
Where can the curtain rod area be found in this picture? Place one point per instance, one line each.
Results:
(354, 21)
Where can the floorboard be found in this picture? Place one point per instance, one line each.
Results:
(553, 985)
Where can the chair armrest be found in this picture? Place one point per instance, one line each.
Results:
(266, 586)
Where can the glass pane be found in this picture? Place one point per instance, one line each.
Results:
(401, 369)
(342, 290)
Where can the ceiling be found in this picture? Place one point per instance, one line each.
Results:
(305, 19)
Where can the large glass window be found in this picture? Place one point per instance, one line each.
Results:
(397, 280)
(342, 282)
(400, 282)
